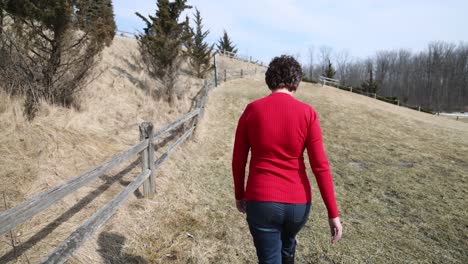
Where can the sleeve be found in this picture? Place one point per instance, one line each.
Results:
(240, 154)
(320, 166)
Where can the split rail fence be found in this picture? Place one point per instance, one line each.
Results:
(324, 80)
(240, 57)
(13, 217)
(336, 83)
(145, 149)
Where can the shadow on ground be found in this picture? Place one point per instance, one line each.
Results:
(111, 250)
(44, 232)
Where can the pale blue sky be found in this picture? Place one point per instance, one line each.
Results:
(266, 28)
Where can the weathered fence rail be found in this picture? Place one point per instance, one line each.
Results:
(145, 148)
(126, 34)
(13, 217)
(240, 57)
(336, 83)
(324, 80)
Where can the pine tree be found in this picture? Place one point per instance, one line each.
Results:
(97, 17)
(2, 15)
(329, 71)
(199, 50)
(48, 58)
(370, 85)
(225, 44)
(162, 41)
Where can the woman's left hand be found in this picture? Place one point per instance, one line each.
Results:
(241, 205)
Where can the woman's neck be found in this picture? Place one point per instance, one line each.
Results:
(282, 90)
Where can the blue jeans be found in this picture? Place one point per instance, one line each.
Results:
(274, 227)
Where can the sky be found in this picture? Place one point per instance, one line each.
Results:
(264, 29)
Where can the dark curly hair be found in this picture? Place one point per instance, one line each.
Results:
(283, 72)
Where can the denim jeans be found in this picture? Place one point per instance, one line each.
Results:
(274, 227)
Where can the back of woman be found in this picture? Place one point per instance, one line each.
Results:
(277, 199)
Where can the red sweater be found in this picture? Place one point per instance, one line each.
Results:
(277, 129)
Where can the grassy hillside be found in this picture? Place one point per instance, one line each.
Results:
(61, 143)
(400, 175)
(401, 184)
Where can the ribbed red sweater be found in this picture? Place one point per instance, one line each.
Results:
(277, 129)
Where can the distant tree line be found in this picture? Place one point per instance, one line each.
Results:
(436, 78)
(47, 47)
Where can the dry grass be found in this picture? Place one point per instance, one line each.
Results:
(61, 143)
(400, 175)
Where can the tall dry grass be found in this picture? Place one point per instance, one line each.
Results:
(61, 143)
(400, 176)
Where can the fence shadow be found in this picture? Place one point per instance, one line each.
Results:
(111, 250)
(44, 232)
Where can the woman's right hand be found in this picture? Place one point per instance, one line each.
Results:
(336, 229)
(241, 206)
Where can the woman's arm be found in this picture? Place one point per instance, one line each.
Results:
(319, 164)
(240, 154)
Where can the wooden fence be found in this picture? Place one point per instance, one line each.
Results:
(224, 75)
(324, 80)
(336, 83)
(145, 148)
(240, 57)
(126, 34)
(457, 116)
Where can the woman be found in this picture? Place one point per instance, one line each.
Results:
(277, 199)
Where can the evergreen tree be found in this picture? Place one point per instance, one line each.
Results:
(329, 71)
(2, 15)
(370, 85)
(47, 58)
(199, 50)
(161, 43)
(225, 44)
(97, 17)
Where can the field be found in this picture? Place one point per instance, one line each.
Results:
(401, 182)
(401, 177)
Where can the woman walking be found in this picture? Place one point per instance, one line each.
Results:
(277, 129)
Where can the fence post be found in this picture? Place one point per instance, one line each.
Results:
(398, 102)
(351, 90)
(375, 95)
(419, 108)
(147, 158)
(225, 75)
(242, 73)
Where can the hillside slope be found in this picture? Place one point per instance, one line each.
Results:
(401, 181)
(61, 143)
(401, 176)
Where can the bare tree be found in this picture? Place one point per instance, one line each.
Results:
(325, 56)
(436, 78)
(342, 60)
(310, 72)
